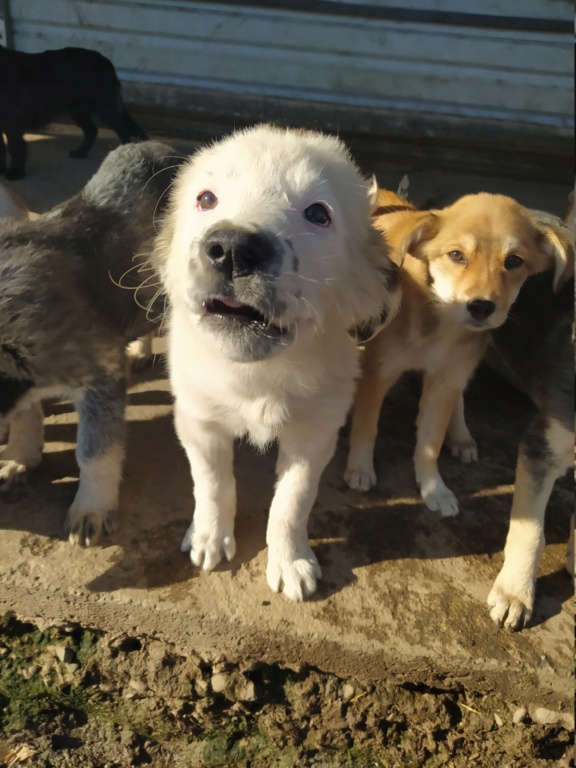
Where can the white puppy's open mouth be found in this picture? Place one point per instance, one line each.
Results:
(227, 307)
(244, 329)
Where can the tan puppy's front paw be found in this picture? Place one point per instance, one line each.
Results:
(465, 450)
(360, 478)
(439, 498)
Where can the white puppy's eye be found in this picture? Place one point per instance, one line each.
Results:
(206, 201)
(318, 214)
(457, 257)
(512, 261)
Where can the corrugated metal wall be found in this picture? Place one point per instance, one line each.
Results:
(369, 65)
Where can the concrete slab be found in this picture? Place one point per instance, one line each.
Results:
(403, 593)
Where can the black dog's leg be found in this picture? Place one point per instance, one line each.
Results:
(18, 151)
(120, 121)
(545, 454)
(100, 454)
(84, 121)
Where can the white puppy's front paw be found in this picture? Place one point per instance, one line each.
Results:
(465, 450)
(293, 569)
(360, 478)
(11, 472)
(86, 526)
(207, 547)
(511, 600)
(439, 498)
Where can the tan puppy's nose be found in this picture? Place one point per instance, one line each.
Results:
(480, 309)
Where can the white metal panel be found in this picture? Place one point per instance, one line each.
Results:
(321, 58)
(536, 9)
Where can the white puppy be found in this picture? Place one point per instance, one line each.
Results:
(269, 259)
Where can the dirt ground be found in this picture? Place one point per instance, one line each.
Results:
(125, 655)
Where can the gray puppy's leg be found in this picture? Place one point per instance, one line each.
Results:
(100, 453)
(24, 449)
(139, 352)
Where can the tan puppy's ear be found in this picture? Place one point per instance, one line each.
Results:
(408, 233)
(558, 245)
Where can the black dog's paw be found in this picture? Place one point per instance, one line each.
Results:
(78, 154)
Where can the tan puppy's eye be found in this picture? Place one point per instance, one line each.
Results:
(457, 257)
(206, 201)
(512, 261)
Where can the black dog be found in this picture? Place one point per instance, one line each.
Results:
(35, 88)
(534, 350)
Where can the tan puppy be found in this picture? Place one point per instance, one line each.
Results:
(462, 269)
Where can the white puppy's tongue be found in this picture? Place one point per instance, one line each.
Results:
(232, 303)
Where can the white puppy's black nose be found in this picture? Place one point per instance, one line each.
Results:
(480, 309)
(238, 252)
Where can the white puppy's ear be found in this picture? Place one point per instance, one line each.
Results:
(373, 192)
(370, 293)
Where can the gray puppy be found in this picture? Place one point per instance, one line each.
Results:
(73, 292)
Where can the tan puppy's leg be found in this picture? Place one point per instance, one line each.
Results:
(24, 449)
(459, 441)
(210, 451)
(511, 599)
(370, 394)
(303, 453)
(436, 406)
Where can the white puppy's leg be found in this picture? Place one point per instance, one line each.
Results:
(100, 454)
(24, 449)
(511, 599)
(302, 457)
(436, 406)
(370, 394)
(210, 451)
(459, 441)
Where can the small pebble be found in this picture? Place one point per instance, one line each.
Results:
(218, 683)
(519, 715)
(347, 692)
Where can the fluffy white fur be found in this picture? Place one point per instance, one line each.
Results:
(289, 377)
